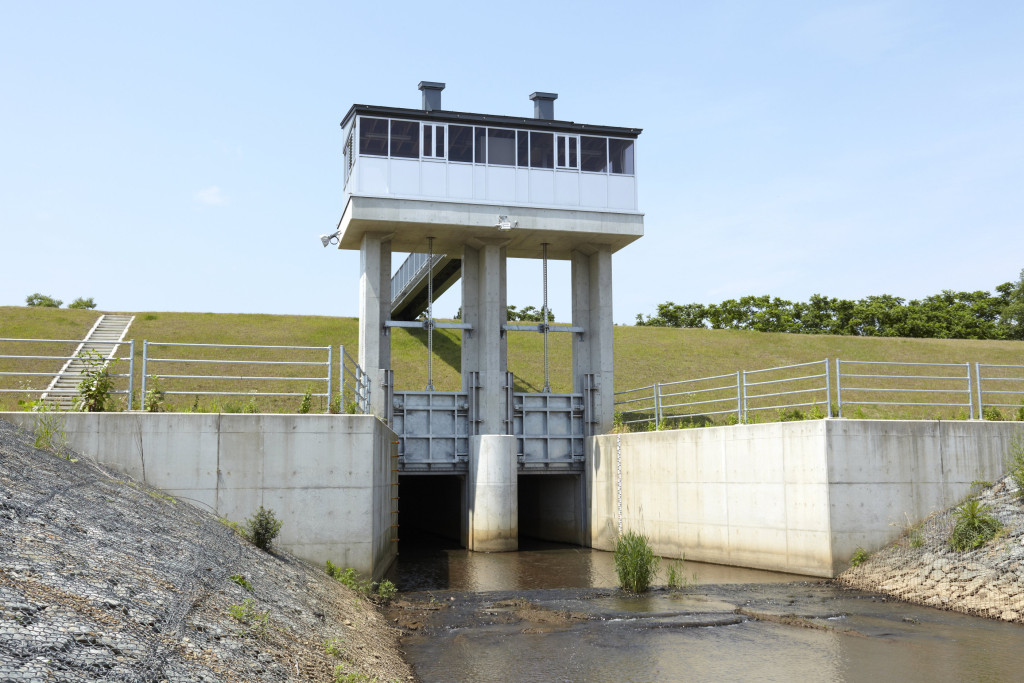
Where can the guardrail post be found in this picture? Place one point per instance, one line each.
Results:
(977, 374)
(341, 377)
(131, 373)
(145, 360)
(839, 386)
(657, 406)
(739, 400)
(330, 362)
(828, 391)
(743, 392)
(970, 394)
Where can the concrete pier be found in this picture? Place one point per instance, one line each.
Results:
(492, 493)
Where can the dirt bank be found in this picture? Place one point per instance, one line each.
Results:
(921, 568)
(104, 578)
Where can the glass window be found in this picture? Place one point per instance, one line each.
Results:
(480, 138)
(593, 154)
(501, 147)
(405, 139)
(439, 142)
(523, 148)
(433, 141)
(620, 152)
(566, 145)
(373, 136)
(460, 143)
(542, 150)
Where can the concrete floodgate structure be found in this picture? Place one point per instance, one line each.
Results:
(797, 497)
(327, 477)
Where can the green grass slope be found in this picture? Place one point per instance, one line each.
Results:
(643, 355)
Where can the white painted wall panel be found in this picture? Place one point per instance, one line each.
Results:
(405, 177)
(522, 185)
(479, 182)
(432, 179)
(593, 190)
(567, 188)
(460, 181)
(621, 192)
(372, 175)
(542, 187)
(501, 183)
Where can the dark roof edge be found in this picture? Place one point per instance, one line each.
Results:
(508, 121)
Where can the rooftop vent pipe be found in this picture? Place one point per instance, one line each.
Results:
(431, 95)
(544, 104)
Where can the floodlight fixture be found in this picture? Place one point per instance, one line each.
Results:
(330, 239)
(505, 224)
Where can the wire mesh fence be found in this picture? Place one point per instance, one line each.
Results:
(31, 371)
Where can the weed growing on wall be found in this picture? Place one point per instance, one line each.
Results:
(262, 528)
(635, 562)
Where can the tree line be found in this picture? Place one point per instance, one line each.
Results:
(947, 315)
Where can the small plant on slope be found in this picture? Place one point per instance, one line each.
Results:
(974, 527)
(860, 556)
(255, 621)
(96, 385)
(635, 562)
(262, 528)
(1015, 463)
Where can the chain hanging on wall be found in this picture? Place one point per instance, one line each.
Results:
(430, 314)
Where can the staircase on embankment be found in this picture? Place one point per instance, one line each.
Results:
(104, 338)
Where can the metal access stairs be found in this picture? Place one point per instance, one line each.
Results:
(105, 336)
(409, 283)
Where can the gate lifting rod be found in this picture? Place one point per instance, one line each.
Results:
(547, 385)
(430, 314)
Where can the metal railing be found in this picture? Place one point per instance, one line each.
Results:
(949, 389)
(413, 266)
(273, 380)
(355, 384)
(697, 401)
(998, 384)
(37, 367)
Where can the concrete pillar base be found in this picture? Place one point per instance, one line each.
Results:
(492, 494)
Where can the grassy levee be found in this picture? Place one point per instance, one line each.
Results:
(23, 322)
(643, 355)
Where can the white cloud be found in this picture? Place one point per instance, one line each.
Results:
(211, 196)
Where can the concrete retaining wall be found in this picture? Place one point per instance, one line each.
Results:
(327, 477)
(797, 497)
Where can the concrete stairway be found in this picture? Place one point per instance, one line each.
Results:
(103, 338)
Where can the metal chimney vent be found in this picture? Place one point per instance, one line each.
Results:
(544, 104)
(431, 95)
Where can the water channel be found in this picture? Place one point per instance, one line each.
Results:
(551, 612)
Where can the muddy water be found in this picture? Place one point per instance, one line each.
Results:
(551, 613)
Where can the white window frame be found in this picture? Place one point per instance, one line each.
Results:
(433, 141)
(562, 140)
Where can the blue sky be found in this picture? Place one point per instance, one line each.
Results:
(186, 156)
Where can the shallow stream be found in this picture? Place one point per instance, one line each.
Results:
(551, 613)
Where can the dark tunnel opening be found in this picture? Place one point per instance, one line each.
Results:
(550, 508)
(430, 512)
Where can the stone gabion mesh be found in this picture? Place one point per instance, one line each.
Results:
(102, 578)
(922, 568)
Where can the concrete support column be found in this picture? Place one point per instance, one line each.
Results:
(592, 310)
(374, 310)
(485, 350)
(492, 494)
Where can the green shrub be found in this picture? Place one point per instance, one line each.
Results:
(1015, 463)
(154, 400)
(307, 400)
(83, 303)
(262, 528)
(992, 414)
(255, 621)
(974, 527)
(333, 647)
(240, 580)
(677, 579)
(42, 301)
(386, 591)
(860, 556)
(97, 383)
(635, 562)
